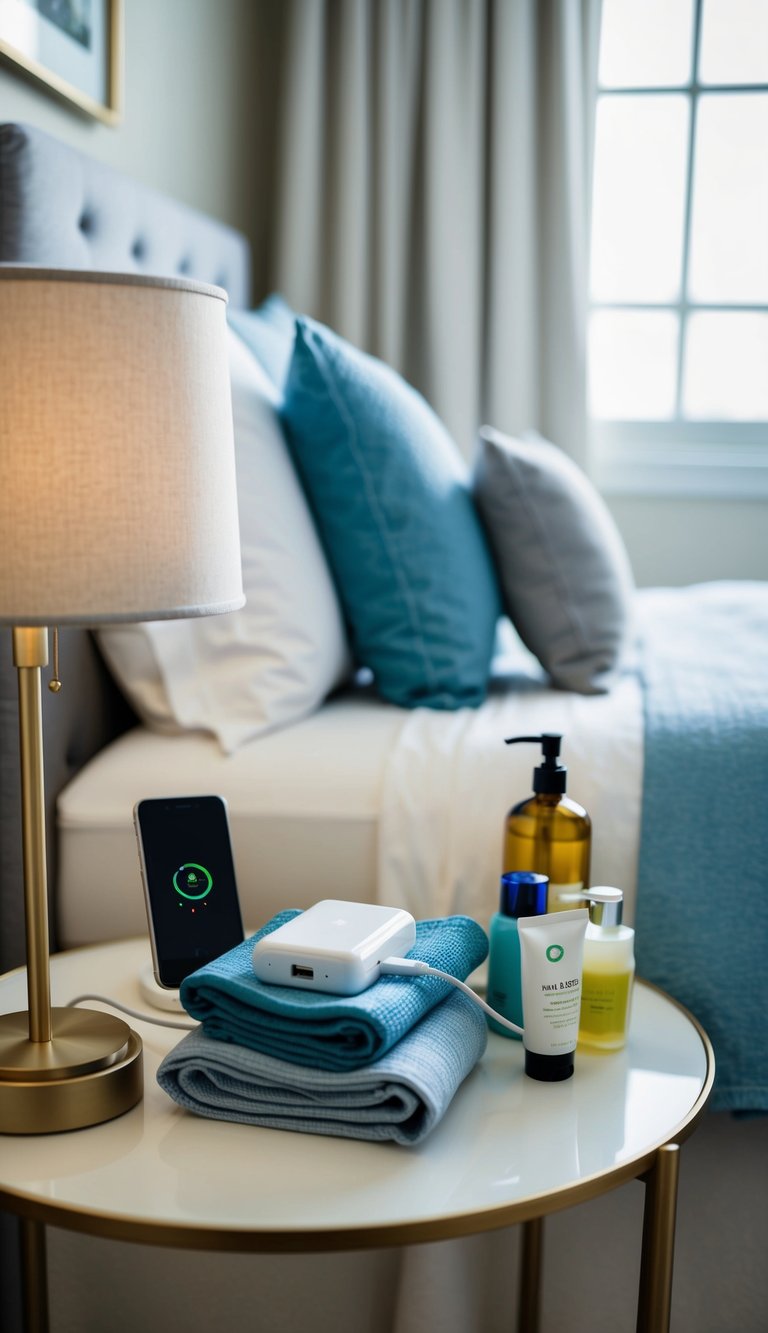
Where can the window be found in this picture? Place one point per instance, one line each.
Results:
(678, 336)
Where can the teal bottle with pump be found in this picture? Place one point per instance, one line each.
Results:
(523, 893)
(549, 833)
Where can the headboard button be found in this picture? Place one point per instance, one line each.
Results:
(85, 221)
(139, 248)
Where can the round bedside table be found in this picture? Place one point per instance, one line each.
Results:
(509, 1150)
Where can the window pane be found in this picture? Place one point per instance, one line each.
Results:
(726, 367)
(639, 193)
(645, 43)
(633, 364)
(734, 42)
(729, 237)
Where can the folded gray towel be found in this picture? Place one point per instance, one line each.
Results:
(401, 1097)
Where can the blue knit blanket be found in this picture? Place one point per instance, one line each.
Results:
(702, 908)
(332, 1032)
(401, 1097)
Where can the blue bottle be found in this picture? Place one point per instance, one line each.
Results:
(523, 893)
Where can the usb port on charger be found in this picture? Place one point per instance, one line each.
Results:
(308, 973)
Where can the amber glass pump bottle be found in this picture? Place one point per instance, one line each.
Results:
(548, 833)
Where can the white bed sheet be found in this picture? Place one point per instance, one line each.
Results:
(362, 801)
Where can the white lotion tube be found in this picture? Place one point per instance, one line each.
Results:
(551, 956)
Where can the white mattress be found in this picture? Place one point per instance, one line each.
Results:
(303, 807)
(362, 801)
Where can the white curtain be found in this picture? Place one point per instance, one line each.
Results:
(433, 197)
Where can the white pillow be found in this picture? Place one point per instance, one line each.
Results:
(274, 661)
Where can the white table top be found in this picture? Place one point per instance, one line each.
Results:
(508, 1148)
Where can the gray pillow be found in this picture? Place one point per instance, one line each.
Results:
(565, 576)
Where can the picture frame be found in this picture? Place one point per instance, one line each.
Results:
(73, 47)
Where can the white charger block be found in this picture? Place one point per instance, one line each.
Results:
(336, 947)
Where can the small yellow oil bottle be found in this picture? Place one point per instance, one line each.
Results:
(609, 971)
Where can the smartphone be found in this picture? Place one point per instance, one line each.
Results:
(188, 873)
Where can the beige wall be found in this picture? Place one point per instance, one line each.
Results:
(673, 541)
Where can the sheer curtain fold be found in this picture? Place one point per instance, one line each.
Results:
(433, 201)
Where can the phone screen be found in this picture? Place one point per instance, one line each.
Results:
(189, 882)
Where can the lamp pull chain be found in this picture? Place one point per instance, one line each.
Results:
(54, 684)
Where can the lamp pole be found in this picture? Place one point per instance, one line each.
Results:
(30, 653)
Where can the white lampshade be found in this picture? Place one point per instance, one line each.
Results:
(117, 487)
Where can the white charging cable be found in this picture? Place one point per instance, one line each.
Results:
(414, 967)
(133, 1013)
(390, 967)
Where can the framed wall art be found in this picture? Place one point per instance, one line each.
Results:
(73, 47)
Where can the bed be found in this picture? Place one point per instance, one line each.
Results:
(361, 797)
(308, 801)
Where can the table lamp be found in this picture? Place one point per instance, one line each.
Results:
(117, 503)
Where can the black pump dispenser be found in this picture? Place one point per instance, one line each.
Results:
(549, 778)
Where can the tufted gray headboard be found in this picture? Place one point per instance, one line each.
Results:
(62, 209)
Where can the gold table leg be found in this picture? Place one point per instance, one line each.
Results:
(655, 1298)
(34, 1272)
(530, 1275)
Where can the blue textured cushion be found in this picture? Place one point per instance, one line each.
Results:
(391, 499)
(268, 331)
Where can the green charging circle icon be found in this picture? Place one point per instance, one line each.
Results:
(193, 881)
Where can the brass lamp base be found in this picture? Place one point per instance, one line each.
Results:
(59, 1068)
(90, 1071)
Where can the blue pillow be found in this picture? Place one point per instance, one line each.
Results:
(268, 332)
(391, 499)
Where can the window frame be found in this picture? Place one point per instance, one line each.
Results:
(679, 456)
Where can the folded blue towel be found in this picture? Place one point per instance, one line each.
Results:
(400, 1097)
(339, 1032)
